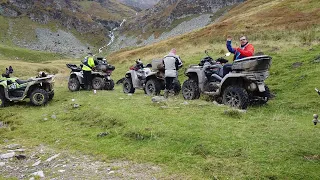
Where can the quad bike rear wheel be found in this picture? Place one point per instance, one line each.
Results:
(98, 83)
(109, 85)
(128, 86)
(3, 101)
(153, 87)
(74, 84)
(190, 90)
(235, 96)
(39, 97)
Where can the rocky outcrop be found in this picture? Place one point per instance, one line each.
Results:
(166, 11)
(68, 13)
(58, 42)
(92, 21)
(185, 27)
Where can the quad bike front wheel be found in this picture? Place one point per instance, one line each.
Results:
(39, 97)
(98, 83)
(128, 86)
(190, 90)
(235, 96)
(109, 85)
(152, 87)
(74, 84)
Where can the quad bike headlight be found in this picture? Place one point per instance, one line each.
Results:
(252, 87)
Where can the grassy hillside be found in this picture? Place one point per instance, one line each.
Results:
(261, 20)
(195, 139)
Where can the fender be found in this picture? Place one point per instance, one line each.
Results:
(79, 76)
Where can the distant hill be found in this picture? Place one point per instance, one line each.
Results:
(90, 21)
(165, 12)
(139, 4)
(260, 19)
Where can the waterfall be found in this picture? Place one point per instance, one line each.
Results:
(112, 36)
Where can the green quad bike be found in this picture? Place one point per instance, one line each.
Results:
(39, 89)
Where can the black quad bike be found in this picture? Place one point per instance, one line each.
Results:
(243, 86)
(101, 76)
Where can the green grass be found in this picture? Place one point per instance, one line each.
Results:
(16, 53)
(199, 140)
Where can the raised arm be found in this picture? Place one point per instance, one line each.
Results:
(229, 47)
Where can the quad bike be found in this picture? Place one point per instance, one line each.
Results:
(100, 76)
(152, 81)
(242, 86)
(39, 89)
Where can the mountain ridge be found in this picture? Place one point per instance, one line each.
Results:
(163, 14)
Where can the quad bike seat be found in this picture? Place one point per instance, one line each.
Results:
(22, 81)
(74, 67)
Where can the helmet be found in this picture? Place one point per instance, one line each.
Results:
(138, 61)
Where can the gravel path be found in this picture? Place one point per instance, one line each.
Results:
(18, 162)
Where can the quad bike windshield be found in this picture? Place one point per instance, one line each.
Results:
(254, 63)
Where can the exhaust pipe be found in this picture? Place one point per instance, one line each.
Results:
(212, 93)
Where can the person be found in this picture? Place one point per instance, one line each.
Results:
(172, 63)
(139, 64)
(245, 50)
(88, 65)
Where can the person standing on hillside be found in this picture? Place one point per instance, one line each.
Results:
(245, 50)
(172, 63)
(87, 67)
